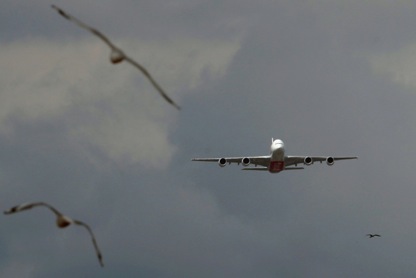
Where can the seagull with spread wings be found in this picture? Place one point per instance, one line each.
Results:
(117, 55)
(62, 221)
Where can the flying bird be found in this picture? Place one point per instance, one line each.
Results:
(373, 235)
(62, 221)
(117, 55)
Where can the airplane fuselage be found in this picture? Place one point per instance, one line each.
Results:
(277, 156)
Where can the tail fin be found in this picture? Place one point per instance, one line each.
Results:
(272, 140)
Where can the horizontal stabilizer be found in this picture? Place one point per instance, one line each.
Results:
(256, 168)
(294, 168)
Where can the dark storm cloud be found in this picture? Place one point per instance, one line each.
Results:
(303, 72)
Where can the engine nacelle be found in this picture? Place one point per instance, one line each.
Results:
(222, 162)
(307, 160)
(330, 160)
(245, 161)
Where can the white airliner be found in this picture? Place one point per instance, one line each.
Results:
(277, 161)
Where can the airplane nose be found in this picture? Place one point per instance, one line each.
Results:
(277, 145)
(278, 142)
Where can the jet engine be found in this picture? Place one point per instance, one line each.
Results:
(245, 161)
(222, 162)
(330, 160)
(307, 160)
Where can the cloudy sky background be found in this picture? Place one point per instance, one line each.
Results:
(97, 141)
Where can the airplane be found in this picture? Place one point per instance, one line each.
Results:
(277, 161)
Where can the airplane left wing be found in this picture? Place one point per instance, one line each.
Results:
(247, 160)
(308, 160)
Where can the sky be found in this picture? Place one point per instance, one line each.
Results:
(97, 141)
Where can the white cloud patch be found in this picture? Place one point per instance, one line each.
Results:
(399, 65)
(113, 109)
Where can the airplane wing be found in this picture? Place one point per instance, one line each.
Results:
(294, 159)
(254, 160)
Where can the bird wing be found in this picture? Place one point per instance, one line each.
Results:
(27, 206)
(154, 83)
(112, 46)
(97, 250)
(85, 26)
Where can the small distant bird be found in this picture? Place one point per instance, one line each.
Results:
(373, 235)
(62, 221)
(117, 55)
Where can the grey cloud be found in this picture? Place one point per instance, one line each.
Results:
(301, 72)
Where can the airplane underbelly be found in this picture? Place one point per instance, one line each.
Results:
(276, 166)
(277, 160)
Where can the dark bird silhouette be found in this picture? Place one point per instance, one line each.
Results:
(117, 55)
(373, 235)
(62, 221)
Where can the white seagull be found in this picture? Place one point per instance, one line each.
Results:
(62, 221)
(117, 55)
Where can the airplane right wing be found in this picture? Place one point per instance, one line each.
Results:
(253, 160)
(308, 160)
